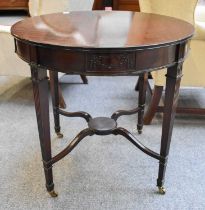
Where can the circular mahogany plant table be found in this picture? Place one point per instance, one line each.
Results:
(102, 43)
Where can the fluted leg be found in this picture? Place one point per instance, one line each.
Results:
(40, 90)
(142, 84)
(174, 75)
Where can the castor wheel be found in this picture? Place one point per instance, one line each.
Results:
(162, 190)
(53, 194)
(60, 135)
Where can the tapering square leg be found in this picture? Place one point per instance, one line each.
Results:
(174, 75)
(40, 90)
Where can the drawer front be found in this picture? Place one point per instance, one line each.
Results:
(13, 4)
(110, 62)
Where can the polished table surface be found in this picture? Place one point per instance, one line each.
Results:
(102, 43)
(102, 30)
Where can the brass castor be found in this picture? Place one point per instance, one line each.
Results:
(162, 190)
(53, 194)
(60, 135)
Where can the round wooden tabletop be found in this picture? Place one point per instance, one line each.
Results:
(102, 29)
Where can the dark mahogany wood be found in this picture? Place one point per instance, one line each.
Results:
(55, 100)
(71, 146)
(84, 79)
(174, 75)
(185, 110)
(84, 115)
(40, 91)
(102, 125)
(92, 52)
(141, 101)
(101, 4)
(62, 103)
(155, 99)
(87, 43)
(132, 34)
(128, 5)
(137, 143)
(119, 113)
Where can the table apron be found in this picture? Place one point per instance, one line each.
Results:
(101, 61)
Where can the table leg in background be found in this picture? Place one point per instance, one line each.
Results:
(55, 101)
(141, 102)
